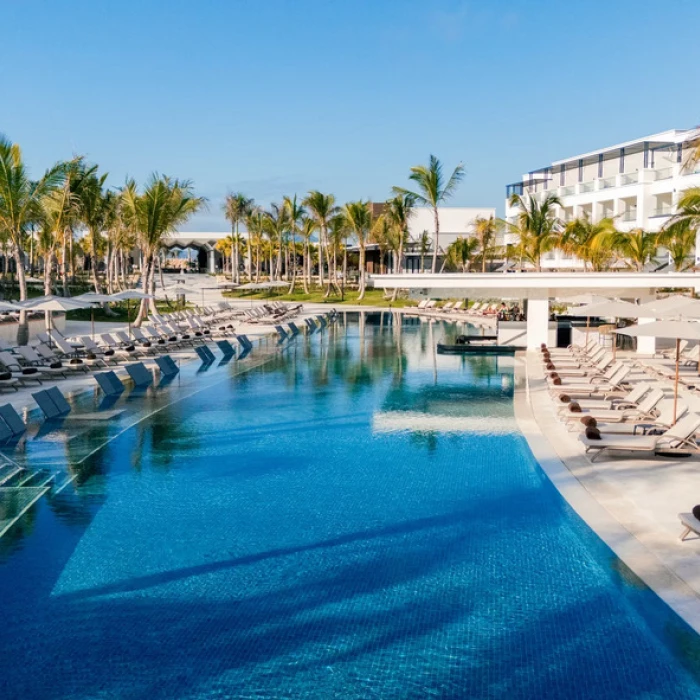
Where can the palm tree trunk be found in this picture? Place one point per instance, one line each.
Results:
(233, 255)
(250, 258)
(307, 266)
(436, 242)
(23, 325)
(321, 242)
(361, 296)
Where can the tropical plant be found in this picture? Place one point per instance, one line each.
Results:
(157, 211)
(358, 218)
(398, 211)
(461, 252)
(20, 205)
(236, 208)
(589, 242)
(423, 242)
(484, 230)
(433, 190)
(536, 225)
(680, 232)
(254, 222)
(307, 229)
(322, 208)
(296, 214)
(635, 248)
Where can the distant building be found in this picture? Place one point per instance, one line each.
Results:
(637, 183)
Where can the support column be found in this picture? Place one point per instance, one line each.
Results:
(646, 345)
(537, 322)
(211, 259)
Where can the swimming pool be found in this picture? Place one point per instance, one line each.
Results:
(356, 517)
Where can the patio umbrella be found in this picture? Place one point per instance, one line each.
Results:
(615, 309)
(673, 307)
(52, 303)
(251, 285)
(127, 295)
(93, 299)
(674, 330)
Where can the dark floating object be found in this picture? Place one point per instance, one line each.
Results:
(476, 349)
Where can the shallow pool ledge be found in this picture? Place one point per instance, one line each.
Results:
(664, 565)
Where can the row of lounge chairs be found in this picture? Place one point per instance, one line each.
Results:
(614, 411)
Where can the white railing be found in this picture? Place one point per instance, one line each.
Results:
(566, 191)
(607, 182)
(629, 179)
(630, 215)
(586, 187)
(663, 174)
(663, 210)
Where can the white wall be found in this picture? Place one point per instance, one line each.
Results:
(454, 222)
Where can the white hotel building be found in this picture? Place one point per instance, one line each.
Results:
(637, 183)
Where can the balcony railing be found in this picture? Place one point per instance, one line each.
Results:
(607, 182)
(663, 174)
(566, 191)
(663, 210)
(629, 179)
(630, 215)
(586, 187)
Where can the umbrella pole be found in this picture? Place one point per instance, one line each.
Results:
(92, 322)
(128, 317)
(675, 388)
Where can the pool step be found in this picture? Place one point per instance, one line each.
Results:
(9, 473)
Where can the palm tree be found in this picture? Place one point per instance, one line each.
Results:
(485, 232)
(322, 208)
(680, 232)
(461, 252)
(589, 242)
(157, 211)
(254, 220)
(358, 218)
(432, 191)
(636, 247)
(236, 208)
(537, 225)
(95, 210)
(423, 242)
(398, 211)
(308, 226)
(20, 205)
(295, 216)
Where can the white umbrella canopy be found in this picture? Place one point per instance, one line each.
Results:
(618, 309)
(675, 330)
(54, 303)
(585, 299)
(128, 294)
(93, 298)
(251, 285)
(9, 306)
(673, 307)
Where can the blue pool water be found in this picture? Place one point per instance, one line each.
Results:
(356, 518)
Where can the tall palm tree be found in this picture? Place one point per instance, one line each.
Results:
(636, 248)
(423, 242)
(20, 205)
(485, 233)
(537, 226)
(679, 235)
(398, 211)
(461, 252)
(432, 190)
(156, 212)
(255, 224)
(307, 229)
(275, 226)
(95, 210)
(358, 218)
(589, 242)
(322, 208)
(295, 216)
(236, 208)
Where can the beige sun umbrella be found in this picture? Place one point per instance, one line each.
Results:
(614, 309)
(127, 295)
(674, 330)
(53, 303)
(93, 299)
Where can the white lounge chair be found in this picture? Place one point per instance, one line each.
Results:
(678, 438)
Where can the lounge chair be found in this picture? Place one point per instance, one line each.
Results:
(18, 372)
(139, 374)
(678, 439)
(616, 382)
(293, 328)
(205, 354)
(644, 412)
(167, 366)
(281, 333)
(110, 384)
(690, 524)
(94, 351)
(226, 348)
(625, 400)
(54, 406)
(12, 419)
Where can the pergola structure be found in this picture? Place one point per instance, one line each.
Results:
(539, 288)
(203, 241)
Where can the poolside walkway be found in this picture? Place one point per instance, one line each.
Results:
(632, 504)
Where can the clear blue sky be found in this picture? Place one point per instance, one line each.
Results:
(273, 97)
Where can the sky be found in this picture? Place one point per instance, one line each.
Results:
(276, 97)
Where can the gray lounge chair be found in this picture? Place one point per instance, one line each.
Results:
(167, 366)
(205, 354)
(12, 419)
(226, 348)
(110, 384)
(139, 374)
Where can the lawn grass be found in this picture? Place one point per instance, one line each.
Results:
(373, 297)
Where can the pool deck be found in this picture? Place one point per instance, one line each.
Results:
(632, 504)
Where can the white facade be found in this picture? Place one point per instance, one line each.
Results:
(637, 183)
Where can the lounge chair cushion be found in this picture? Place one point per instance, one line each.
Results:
(564, 398)
(130, 348)
(5, 375)
(29, 370)
(696, 512)
(556, 380)
(592, 433)
(91, 356)
(75, 361)
(55, 365)
(575, 407)
(589, 421)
